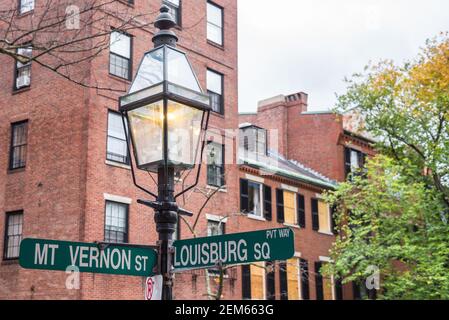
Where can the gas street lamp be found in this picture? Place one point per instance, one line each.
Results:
(166, 112)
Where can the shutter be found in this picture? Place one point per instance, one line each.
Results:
(347, 162)
(270, 282)
(333, 221)
(305, 290)
(246, 282)
(318, 281)
(301, 211)
(283, 280)
(361, 159)
(267, 207)
(356, 290)
(280, 205)
(315, 215)
(338, 289)
(244, 196)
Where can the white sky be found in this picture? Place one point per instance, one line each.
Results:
(287, 46)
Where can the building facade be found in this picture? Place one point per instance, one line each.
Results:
(66, 171)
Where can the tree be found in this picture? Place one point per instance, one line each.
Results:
(394, 217)
(64, 34)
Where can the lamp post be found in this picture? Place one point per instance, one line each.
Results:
(166, 112)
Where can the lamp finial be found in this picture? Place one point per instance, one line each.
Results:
(164, 22)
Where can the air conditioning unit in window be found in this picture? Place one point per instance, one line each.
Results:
(22, 81)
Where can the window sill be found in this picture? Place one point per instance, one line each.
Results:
(217, 114)
(292, 226)
(254, 217)
(126, 3)
(117, 165)
(222, 189)
(21, 15)
(327, 233)
(10, 262)
(12, 171)
(123, 80)
(216, 45)
(20, 90)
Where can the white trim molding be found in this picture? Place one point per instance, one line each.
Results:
(255, 178)
(289, 188)
(118, 165)
(213, 217)
(119, 199)
(298, 255)
(325, 259)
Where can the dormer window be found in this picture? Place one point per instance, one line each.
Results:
(253, 140)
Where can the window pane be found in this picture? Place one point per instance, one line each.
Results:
(13, 235)
(214, 33)
(116, 222)
(257, 271)
(323, 211)
(120, 44)
(214, 15)
(26, 5)
(289, 207)
(255, 204)
(214, 82)
(119, 66)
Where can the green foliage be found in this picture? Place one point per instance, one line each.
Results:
(395, 216)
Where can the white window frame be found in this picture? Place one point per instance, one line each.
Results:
(212, 4)
(258, 216)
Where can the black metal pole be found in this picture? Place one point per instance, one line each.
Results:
(166, 221)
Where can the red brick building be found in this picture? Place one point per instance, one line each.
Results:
(295, 155)
(66, 173)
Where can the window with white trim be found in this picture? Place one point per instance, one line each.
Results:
(23, 69)
(215, 90)
(116, 222)
(214, 23)
(120, 55)
(117, 149)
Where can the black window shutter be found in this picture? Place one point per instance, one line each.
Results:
(333, 221)
(315, 215)
(347, 161)
(280, 205)
(283, 280)
(244, 196)
(246, 282)
(318, 281)
(305, 290)
(338, 289)
(267, 207)
(301, 211)
(270, 282)
(356, 290)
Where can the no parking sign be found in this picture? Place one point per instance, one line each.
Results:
(153, 288)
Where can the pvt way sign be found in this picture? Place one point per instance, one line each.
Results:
(87, 257)
(238, 248)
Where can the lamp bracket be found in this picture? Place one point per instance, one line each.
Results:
(167, 206)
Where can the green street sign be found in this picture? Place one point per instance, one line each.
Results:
(232, 249)
(87, 257)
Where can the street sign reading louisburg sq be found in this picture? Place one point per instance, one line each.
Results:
(232, 249)
(87, 257)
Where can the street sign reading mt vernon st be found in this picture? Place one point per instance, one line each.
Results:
(233, 249)
(87, 257)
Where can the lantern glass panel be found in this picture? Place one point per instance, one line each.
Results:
(184, 127)
(151, 70)
(179, 71)
(146, 124)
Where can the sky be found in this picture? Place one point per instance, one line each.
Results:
(288, 46)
